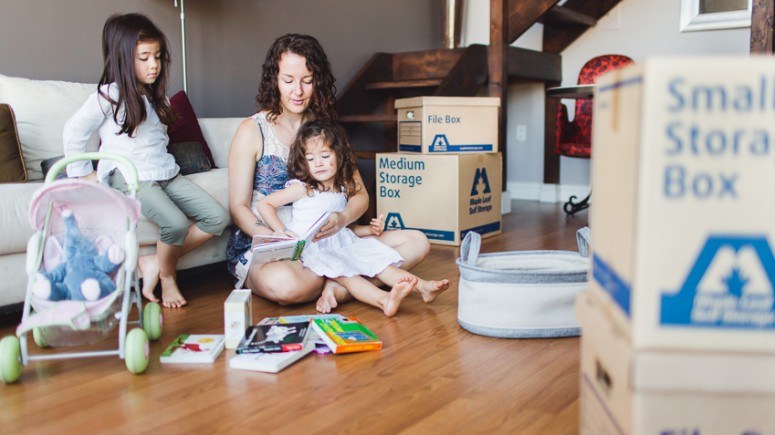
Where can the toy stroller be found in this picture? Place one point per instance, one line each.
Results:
(107, 219)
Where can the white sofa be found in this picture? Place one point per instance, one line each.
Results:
(41, 108)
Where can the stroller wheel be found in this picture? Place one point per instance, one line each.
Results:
(152, 320)
(39, 337)
(137, 351)
(10, 359)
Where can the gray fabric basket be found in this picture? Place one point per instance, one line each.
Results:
(520, 294)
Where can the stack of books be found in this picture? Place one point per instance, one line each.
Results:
(277, 342)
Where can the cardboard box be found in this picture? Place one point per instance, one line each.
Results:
(682, 217)
(624, 391)
(237, 316)
(437, 125)
(445, 196)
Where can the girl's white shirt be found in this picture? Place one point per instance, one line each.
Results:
(147, 149)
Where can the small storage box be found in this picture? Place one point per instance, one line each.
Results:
(520, 294)
(443, 125)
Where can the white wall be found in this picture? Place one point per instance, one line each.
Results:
(637, 28)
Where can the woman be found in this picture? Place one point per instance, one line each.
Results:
(296, 86)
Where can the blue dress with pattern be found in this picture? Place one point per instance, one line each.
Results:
(271, 174)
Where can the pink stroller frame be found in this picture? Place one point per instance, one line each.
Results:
(104, 215)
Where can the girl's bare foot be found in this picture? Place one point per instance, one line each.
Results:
(333, 294)
(148, 267)
(398, 293)
(430, 290)
(170, 294)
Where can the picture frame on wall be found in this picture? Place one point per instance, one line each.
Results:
(697, 15)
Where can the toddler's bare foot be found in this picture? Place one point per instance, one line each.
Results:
(148, 267)
(401, 290)
(430, 290)
(170, 294)
(333, 295)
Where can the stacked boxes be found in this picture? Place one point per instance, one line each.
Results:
(446, 179)
(683, 265)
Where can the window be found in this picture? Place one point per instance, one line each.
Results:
(714, 14)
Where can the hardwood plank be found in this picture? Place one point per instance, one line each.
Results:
(431, 377)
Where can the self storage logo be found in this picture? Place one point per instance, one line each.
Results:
(730, 285)
(481, 194)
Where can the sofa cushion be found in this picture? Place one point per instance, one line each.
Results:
(42, 107)
(11, 162)
(190, 157)
(187, 129)
(15, 226)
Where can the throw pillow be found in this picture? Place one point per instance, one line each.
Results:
(187, 129)
(41, 108)
(11, 162)
(190, 156)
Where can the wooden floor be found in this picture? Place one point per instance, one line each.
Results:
(431, 377)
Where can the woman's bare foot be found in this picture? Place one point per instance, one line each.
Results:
(430, 290)
(398, 293)
(148, 267)
(333, 295)
(170, 294)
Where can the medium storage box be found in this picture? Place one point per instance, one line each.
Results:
(437, 125)
(444, 196)
(519, 294)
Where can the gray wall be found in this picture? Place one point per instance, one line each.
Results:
(226, 39)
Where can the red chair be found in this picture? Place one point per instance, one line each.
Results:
(574, 139)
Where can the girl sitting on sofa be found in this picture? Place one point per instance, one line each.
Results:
(131, 113)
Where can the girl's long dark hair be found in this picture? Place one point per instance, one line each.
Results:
(323, 104)
(120, 37)
(335, 137)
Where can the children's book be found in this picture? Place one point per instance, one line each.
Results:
(274, 338)
(194, 348)
(321, 348)
(269, 362)
(274, 248)
(346, 335)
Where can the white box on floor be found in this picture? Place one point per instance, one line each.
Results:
(624, 391)
(430, 125)
(445, 196)
(237, 316)
(682, 217)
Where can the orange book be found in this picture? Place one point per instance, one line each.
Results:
(345, 335)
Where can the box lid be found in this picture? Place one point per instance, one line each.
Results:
(447, 101)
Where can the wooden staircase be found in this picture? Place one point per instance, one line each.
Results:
(366, 105)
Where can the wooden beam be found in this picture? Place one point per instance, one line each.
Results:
(762, 18)
(498, 77)
(551, 159)
(523, 14)
(557, 39)
(533, 65)
(423, 65)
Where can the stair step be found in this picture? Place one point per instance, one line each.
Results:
(560, 16)
(368, 118)
(404, 84)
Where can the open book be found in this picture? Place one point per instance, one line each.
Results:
(275, 248)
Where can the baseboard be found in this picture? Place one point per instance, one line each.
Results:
(552, 193)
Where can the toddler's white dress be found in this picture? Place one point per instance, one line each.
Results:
(344, 253)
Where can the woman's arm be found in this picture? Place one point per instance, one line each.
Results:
(246, 148)
(356, 206)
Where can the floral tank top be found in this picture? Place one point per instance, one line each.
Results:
(271, 174)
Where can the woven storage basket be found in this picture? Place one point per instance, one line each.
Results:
(520, 294)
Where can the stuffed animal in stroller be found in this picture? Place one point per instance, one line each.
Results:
(84, 275)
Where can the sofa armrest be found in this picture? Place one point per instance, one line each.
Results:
(218, 132)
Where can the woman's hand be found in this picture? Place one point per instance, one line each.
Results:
(336, 222)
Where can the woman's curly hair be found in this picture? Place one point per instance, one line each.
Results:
(335, 137)
(323, 104)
